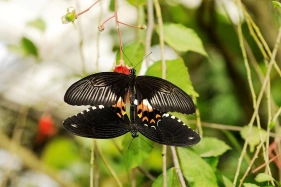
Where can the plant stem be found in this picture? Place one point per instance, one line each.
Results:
(108, 166)
(92, 164)
(177, 166)
(150, 27)
(119, 31)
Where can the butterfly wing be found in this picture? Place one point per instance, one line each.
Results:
(98, 122)
(163, 95)
(98, 89)
(167, 129)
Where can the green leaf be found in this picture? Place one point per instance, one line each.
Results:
(276, 4)
(29, 48)
(136, 3)
(177, 73)
(135, 53)
(135, 150)
(195, 169)
(253, 136)
(212, 161)
(60, 153)
(249, 185)
(172, 179)
(210, 147)
(227, 182)
(38, 24)
(182, 39)
(263, 177)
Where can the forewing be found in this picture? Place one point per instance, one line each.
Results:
(98, 122)
(168, 130)
(98, 89)
(163, 95)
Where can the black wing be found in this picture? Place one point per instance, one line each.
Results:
(98, 122)
(163, 95)
(168, 130)
(98, 89)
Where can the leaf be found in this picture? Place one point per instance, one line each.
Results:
(136, 150)
(172, 179)
(276, 4)
(249, 185)
(29, 48)
(134, 53)
(177, 73)
(136, 3)
(182, 39)
(38, 24)
(227, 182)
(210, 147)
(264, 177)
(253, 136)
(60, 153)
(195, 169)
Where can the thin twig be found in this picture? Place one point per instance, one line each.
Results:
(264, 164)
(92, 164)
(251, 163)
(150, 27)
(226, 127)
(177, 166)
(88, 8)
(119, 31)
(108, 165)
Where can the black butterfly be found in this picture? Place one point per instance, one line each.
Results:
(107, 87)
(109, 122)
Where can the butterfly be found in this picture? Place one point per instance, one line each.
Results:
(106, 88)
(104, 122)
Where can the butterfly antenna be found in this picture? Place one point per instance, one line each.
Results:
(126, 56)
(143, 59)
(130, 143)
(146, 142)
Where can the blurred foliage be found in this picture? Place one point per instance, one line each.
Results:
(208, 65)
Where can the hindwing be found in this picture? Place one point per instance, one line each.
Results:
(164, 128)
(99, 122)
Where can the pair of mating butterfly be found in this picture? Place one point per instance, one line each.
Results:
(149, 97)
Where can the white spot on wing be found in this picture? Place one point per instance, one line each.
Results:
(179, 120)
(145, 102)
(101, 106)
(74, 125)
(94, 107)
(136, 102)
(165, 115)
(81, 112)
(146, 125)
(87, 110)
(173, 117)
(191, 138)
(153, 127)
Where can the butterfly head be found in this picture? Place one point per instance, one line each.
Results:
(134, 132)
(132, 71)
